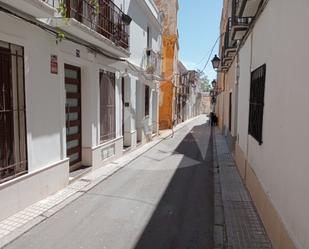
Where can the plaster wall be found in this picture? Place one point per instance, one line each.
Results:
(280, 163)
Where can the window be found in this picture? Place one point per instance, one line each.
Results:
(149, 39)
(107, 106)
(146, 100)
(257, 89)
(13, 149)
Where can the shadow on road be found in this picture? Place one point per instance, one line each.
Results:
(184, 216)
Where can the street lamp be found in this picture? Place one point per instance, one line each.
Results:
(126, 19)
(216, 62)
(214, 84)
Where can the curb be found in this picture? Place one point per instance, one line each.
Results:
(219, 221)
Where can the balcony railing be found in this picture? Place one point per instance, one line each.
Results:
(240, 25)
(228, 43)
(241, 21)
(153, 62)
(106, 19)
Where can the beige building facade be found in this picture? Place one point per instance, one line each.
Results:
(262, 106)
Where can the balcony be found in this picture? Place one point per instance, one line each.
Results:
(152, 64)
(240, 26)
(107, 19)
(229, 44)
(247, 8)
(103, 26)
(227, 61)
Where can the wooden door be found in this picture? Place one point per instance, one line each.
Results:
(73, 114)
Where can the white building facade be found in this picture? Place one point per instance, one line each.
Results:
(267, 80)
(73, 102)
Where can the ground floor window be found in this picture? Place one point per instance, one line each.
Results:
(147, 100)
(107, 106)
(13, 146)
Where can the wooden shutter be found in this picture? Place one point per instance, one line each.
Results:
(107, 106)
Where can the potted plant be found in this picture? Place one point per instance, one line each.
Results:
(150, 69)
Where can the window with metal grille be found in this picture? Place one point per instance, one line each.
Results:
(107, 106)
(13, 146)
(257, 91)
(146, 100)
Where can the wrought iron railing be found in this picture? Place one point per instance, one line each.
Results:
(152, 62)
(105, 18)
(236, 19)
(241, 21)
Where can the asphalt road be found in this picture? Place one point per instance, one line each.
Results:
(162, 200)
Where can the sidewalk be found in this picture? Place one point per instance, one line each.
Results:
(16, 225)
(237, 223)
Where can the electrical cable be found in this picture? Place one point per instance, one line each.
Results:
(211, 52)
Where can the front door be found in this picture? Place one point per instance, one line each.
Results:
(230, 112)
(73, 115)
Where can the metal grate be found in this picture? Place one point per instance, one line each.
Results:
(257, 91)
(13, 147)
(107, 106)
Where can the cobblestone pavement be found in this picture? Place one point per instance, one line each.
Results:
(243, 227)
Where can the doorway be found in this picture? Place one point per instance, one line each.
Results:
(230, 111)
(73, 115)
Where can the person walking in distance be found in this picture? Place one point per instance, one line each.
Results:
(176, 119)
(211, 119)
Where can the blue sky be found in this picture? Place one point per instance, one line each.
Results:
(198, 24)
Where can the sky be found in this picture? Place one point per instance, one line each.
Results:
(198, 25)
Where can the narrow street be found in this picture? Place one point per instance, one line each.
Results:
(163, 199)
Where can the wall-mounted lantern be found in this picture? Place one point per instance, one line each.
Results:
(126, 19)
(216, 62)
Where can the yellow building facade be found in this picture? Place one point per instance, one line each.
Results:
(170, 48)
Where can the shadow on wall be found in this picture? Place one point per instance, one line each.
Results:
(184, 216)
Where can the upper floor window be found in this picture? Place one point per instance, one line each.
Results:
(149, 38)
(256, 112)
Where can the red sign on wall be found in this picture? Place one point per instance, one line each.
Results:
(54, 64)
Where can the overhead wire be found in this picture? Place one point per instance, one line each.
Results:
(211, 52)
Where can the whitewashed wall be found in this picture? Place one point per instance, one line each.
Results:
(281, 162)
(43, 90)
(142, 16)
